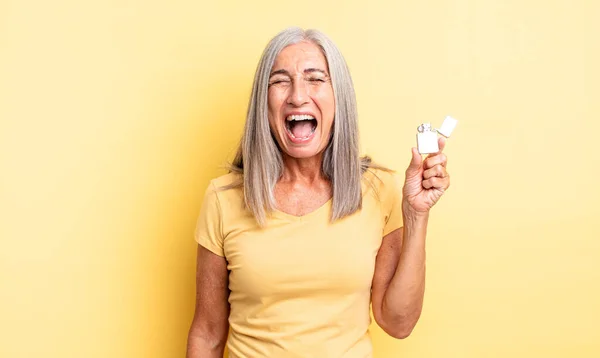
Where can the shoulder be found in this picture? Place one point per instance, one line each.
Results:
(382, 180)
(227, 191)
(226, 181)
(384, 189)
(382, 186)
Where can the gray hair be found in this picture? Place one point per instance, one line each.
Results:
(258, 156)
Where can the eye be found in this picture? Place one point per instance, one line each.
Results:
(279, 81)
(315, 80)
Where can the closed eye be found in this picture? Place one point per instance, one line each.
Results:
(278, 81)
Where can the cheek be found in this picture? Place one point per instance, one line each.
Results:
(327, 127)
(273, 104)
(326, 100)
(327, 106)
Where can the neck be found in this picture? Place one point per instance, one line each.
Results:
(308, 170)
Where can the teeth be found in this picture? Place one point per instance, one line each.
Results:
(299, 117)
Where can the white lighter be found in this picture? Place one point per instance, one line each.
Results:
(427, 139)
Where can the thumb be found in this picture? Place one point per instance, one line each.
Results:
(416, 162)
(441, 144)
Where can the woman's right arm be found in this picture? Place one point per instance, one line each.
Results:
(208, 333)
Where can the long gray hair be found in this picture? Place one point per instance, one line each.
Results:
(259, 158)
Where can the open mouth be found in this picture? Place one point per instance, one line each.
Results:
(300, 127)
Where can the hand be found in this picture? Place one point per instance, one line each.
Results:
(426, 181)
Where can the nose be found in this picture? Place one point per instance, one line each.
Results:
(298, 94)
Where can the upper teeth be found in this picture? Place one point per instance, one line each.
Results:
(300, 117)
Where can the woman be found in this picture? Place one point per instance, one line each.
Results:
(303, 235)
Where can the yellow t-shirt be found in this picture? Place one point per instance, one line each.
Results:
(301, 286)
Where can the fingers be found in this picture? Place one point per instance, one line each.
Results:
(432, 162)
(436, 159)
(437, 183)
(437, 171)
(441, 144)
(435, 175)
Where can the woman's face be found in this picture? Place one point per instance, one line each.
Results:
(301, 101)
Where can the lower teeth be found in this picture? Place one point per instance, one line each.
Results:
(311, 133)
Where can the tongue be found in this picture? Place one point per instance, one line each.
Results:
(302, 129)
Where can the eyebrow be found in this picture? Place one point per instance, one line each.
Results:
(311, 70)
(285, 72)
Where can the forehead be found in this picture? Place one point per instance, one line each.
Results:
(297, 57)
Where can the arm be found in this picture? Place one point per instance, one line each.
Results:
(208, 332)
(399, 279)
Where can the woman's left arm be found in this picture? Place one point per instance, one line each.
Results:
(399, 279)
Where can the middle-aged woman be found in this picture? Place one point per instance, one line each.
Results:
(303, 234)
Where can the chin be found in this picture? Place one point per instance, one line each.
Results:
(303, 153)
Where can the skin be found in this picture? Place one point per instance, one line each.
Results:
(399, 279)
(208, 332)
(300, 83)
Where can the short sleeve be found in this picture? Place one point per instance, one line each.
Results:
(208, 231)
(392, 202)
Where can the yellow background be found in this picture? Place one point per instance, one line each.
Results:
(115, 114)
